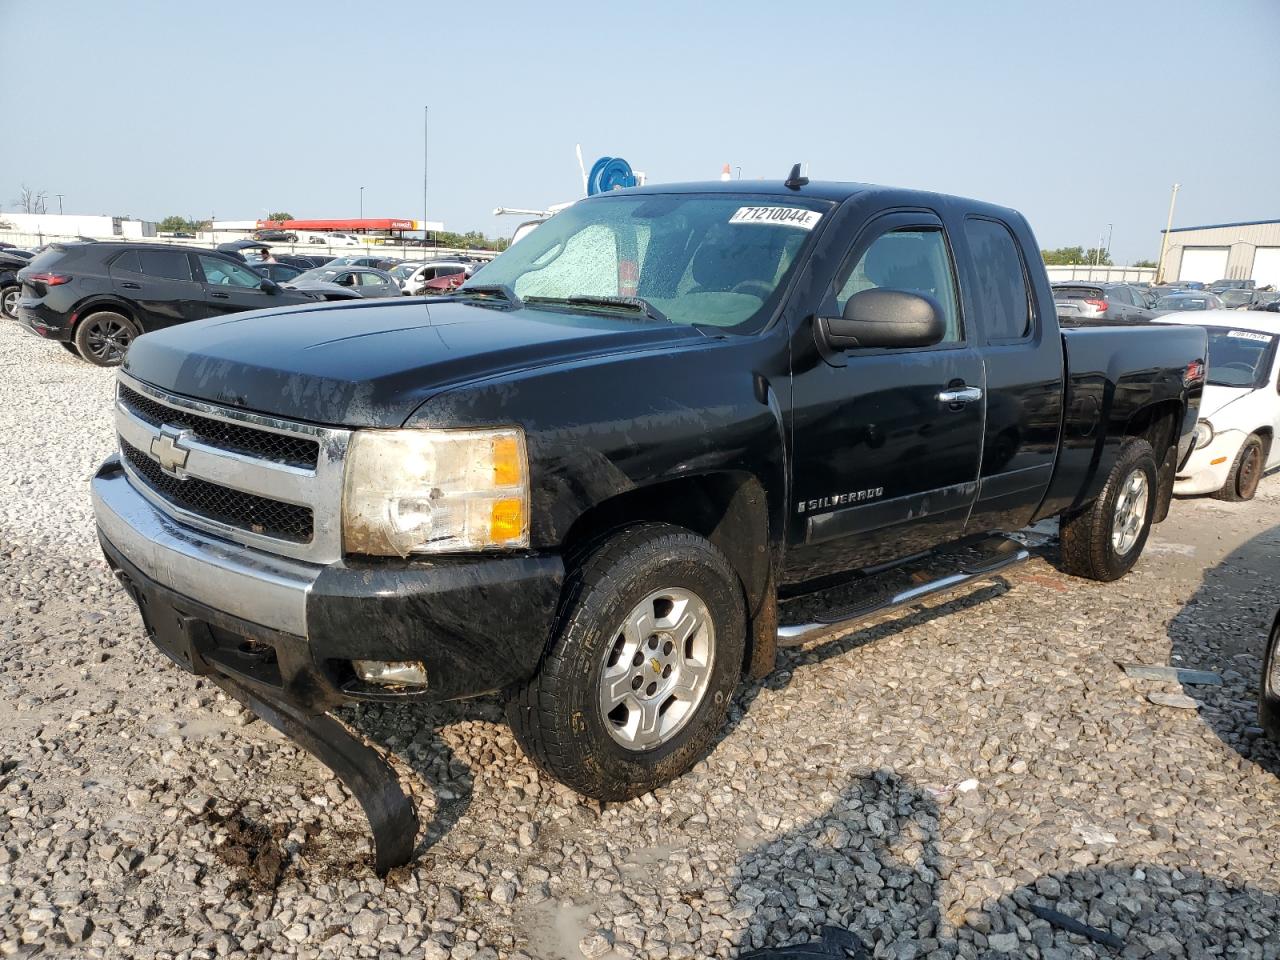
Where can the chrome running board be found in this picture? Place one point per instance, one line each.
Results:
(1009, 553)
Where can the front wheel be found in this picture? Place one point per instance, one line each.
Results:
(1246, 472)
(647, 654)
(1104, 540)
(9, 301)
(104, 338)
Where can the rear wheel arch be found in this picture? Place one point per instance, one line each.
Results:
(108, 305)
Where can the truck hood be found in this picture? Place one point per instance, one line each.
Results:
(371, 363)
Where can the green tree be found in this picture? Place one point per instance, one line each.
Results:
(1098, 257)
(1063, 256)
(279, 215)
(1144, 263)
(172, 224)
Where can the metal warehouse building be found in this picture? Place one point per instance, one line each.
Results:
(1236, 251)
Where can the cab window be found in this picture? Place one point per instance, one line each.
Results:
(914, 260)
(165, 264)
(1001, 292)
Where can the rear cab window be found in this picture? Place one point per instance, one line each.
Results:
(1003, 295)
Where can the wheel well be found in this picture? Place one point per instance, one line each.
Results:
(1157, 424)
(729, 509)
(105, 306)
(1267, 437)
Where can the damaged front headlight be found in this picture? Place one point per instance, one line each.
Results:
(1203, 434)
(435, 491)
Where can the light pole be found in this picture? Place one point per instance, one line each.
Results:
(1164, 238)
(426, 138)
(1108, 241)
(59, 196)
(362, 203)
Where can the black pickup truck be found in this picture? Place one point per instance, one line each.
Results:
(596, 480)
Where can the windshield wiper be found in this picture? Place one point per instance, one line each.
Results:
(499, 290)
(638, 304)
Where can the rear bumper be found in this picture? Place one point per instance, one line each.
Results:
(1200, 474)
(44, 322)
(289, 630)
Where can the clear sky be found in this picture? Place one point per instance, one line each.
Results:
(1078, 113)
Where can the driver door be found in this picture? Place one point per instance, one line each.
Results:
(887, 441)
(230, 287)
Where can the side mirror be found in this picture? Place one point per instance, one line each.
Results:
(269, 286)
(884, 318)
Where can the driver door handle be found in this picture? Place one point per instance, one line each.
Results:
(960, 395)
(218, 296)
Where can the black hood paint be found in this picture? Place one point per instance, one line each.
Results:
(371, 364)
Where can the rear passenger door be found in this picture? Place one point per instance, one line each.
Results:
(160, 282)
(1022, 355)
(372, 285)
(231, 287)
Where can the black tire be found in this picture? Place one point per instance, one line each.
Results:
(103, 338)
(1246, 472)
(1086, 537)
(9, 301)
(557, 716)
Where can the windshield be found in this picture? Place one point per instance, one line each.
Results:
(1239, 358)
(1182, 303)
(710, 259)
(318, 275)
(403, 271)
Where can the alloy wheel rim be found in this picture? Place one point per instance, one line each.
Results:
(9, 305)
(1130, 512)
(108, 340)
(657, 670)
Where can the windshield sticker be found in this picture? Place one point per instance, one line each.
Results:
(779, 216)
(1249, 335)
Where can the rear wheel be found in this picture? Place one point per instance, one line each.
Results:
(9, 301)
(1246, 472)
(647, 654)
(1104, 541)
(103, 338)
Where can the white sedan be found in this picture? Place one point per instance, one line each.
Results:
(1240, 410)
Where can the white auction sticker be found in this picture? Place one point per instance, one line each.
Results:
(1249, 335)
(778, 216)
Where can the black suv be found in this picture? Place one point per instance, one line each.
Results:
(96, 297)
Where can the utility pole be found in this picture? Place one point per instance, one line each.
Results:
(1108, 250)
(362, 203)
(1164, 239)
(426, 118)
(59, 196)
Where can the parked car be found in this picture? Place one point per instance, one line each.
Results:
(1178, 302)
(1240, 411)
(587, 501)
(1269, 688)
(448, 282)
(377, 261)
(1076, 300)
(364, 281)
(11, 261)
(182, 235)
(306, 262)
(276, 236)
(96, 298)
(424, 273)
(1219, 285)
(337, 240)
(279, 272)
(1237, 298)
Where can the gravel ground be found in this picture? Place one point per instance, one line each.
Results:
(924, 781)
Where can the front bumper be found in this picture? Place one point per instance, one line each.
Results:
(288, 630)
(1200, 474)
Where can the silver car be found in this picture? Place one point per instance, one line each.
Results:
(1080, 300)
(362, 281)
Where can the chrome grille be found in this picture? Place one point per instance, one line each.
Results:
(279, 447)
(265, 482)
(288, 521)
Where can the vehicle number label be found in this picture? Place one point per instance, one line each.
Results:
(1249, 335)
(778, 216)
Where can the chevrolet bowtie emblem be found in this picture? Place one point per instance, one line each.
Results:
(169, 452)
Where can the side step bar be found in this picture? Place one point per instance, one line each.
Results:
(793, 635)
